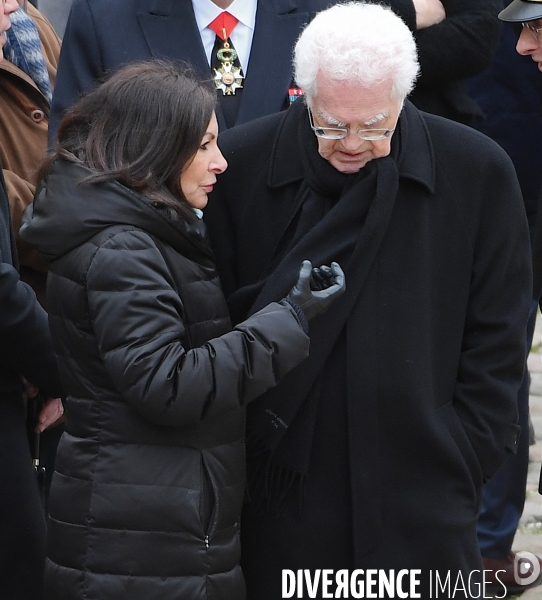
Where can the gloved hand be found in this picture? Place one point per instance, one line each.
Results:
(321, 277)
(329, 283)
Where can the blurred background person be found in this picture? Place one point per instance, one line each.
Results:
(27, 79)
(509, 93)
(102, 35)
(25, 351)
(456, 39)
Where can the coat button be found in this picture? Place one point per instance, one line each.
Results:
(37, 116)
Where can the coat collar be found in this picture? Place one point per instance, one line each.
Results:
(8, 67)
(417, 162)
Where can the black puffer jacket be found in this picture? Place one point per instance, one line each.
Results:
(150, 474)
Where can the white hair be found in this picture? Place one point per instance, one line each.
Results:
(360, 43)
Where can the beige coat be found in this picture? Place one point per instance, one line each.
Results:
(24, 118)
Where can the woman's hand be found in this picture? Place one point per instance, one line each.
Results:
(317, 288)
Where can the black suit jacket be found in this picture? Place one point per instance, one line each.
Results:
(102, 35)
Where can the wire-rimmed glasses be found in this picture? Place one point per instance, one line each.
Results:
(534, 30)
(339, 133)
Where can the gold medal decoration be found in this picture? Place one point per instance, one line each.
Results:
(227, 77)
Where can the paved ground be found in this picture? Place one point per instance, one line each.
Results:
(529, 534)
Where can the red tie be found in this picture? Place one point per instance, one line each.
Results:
(223, 25)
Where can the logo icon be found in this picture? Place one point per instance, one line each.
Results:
(526, 568)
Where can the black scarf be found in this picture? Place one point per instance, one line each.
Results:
(342, 218)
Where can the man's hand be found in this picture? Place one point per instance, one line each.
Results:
(429, 12)
(50, 414)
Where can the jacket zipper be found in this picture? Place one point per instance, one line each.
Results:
(208, 495)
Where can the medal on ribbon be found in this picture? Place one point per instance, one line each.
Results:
(227, 77)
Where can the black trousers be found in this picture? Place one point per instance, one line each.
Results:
(22, 522)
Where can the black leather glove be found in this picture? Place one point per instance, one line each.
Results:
(321, 277)
(317, 288)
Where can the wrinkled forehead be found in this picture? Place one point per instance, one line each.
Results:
(348, 102)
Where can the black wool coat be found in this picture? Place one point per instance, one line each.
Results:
(445, 306)
(460, 46)
(150, 472)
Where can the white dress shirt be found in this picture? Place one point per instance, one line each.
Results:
(244, 11)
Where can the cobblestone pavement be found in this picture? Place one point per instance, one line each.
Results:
(529, 534)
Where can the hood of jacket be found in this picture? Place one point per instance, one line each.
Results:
(68, 211)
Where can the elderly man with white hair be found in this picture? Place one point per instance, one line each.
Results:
(371, 455)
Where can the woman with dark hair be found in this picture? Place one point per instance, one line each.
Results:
(149, 478)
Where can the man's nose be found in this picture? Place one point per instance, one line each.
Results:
(352, 141)
(527, 43)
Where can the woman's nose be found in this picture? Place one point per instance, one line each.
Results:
(219, 164)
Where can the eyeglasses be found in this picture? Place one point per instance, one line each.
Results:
(534, 30)
(339, 133)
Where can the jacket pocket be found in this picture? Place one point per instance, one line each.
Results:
(207, 500)
(453, 425)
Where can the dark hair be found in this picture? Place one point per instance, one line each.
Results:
(140, 127)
